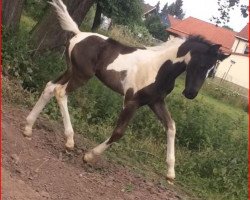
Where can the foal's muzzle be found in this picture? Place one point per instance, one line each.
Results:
(189, 94)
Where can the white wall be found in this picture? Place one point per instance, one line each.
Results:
(238, 73)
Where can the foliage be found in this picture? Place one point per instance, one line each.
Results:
(174, 9)
(122, 12)
(88, 19)
(156, 28)
(16, 60)
(19, 61)
(225, 95)
(134, 35)
(154, 22)
(228, 27)
(35, 9)
(225, 6)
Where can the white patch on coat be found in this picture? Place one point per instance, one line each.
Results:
(143, 65)
(81, 36)
(209, 71)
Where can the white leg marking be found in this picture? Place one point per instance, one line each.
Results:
(171, 151)
(62, 100)
(47, 94)
(96, 152)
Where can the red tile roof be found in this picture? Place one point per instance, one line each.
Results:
(244, 33)
(213, 33)
(173, 21)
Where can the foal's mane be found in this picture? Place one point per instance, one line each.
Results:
(198, 38)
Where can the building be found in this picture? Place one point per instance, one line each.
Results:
(235, 69)
(148, 10)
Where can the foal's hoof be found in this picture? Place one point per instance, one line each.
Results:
(69, 146)
(90, 158)
(27, 132)
(170, 180)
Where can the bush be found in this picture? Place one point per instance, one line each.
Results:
(35, 9)
(130, 35)
(228, 96)
(156, 28)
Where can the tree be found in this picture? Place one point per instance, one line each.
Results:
(48, 34)
(122, 12)
(228, 27)
(225, 6)
(158, 7)
(35, 8)
(155, 27)
(174, 9)
(97, 20)
(12, 10)
(164, 10)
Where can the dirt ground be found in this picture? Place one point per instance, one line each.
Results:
(40, 168)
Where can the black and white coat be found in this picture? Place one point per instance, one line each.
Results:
(143, 76)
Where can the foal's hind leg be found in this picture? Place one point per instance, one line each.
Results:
(47, 94)
(61, 92)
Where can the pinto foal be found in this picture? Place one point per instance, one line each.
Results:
(143, 76)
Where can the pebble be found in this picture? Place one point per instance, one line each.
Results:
(79, 151)
(45, 194)
(60, 157)
(15, 157)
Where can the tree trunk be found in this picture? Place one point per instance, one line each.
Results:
(48, 34)
(12, 10)
(97, 19)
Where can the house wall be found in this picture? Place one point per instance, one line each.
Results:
(239, 46)
(238, 73)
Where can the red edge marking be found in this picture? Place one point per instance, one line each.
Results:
(248, 126)
(1, 99)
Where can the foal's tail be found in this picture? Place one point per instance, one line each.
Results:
(66, 22)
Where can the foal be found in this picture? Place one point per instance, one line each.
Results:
(143, 76)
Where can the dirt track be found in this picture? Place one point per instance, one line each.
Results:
(40, 168)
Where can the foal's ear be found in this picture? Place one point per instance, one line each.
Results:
(214, 48)
(222, 56)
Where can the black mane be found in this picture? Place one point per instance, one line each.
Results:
(198, 38)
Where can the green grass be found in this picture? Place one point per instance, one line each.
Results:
(211, 140)
(27, 23)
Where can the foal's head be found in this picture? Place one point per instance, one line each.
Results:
(204, 56)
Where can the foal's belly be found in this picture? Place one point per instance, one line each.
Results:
(112, 79)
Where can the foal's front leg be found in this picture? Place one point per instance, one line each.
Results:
(123, 120)
(164, 116)
(62, 100)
